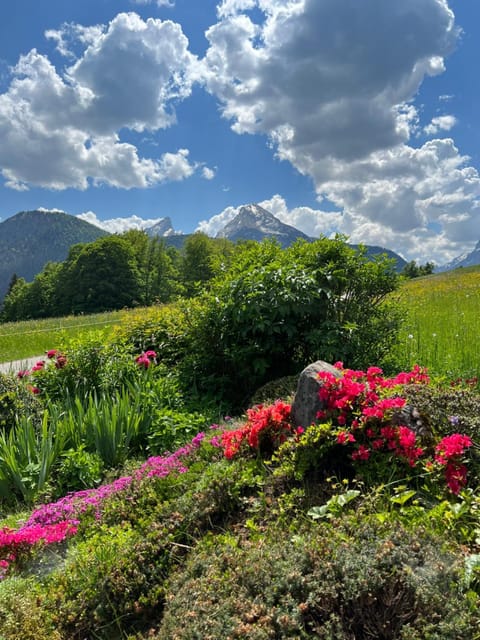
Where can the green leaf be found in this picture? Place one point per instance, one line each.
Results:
(403, 497)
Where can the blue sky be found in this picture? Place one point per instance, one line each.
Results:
(336, 115)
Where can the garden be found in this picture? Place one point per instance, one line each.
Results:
(154, 484)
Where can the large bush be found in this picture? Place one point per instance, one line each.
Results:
(274, 310)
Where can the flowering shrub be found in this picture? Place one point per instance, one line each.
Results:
(15, 545)
(359, 404)
(448, 454)
(53, 522)
(266, 427)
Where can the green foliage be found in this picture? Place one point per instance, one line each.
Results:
(78, 469)
(413, 270)
(92, 366)
(276, 309)
(202, 258)
(163, 329)
(99, 276)
(16, 402)
(159, 276)
(323, 582)
(22, 614)
(171, 429)
(27, 457)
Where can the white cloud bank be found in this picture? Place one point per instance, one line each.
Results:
(118, 225)
(332, 85)
(62, 130)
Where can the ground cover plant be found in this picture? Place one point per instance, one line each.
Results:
(440, 327)
(353, 527)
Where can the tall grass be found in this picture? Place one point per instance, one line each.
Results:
(441, 329)
(33, 337)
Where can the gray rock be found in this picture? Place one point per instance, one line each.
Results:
(306, 403)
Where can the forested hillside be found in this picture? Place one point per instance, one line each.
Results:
(30, 239)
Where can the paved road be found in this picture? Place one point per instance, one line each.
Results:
(19, 365)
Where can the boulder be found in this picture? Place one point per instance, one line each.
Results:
(306, 403)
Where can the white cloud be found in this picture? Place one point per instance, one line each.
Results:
(332, 84)
(71, 34)
(326, 78)
(208, 173)
(231, 7)
(159, 3)
(69, 122)
(440, 123)
(118, 225)
(214, 224)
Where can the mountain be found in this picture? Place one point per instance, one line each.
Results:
(253, 222)
(162, 228)
(30, 239)
(465, 260)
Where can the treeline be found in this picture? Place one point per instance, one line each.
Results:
(114, 272)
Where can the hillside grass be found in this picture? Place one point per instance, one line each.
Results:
(33, 337)
(441, 327)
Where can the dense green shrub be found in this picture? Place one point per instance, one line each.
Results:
(370, 581)
(88, 365)
(275, 310)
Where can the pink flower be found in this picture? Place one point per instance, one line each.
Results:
(451, 447)
(61, 361)
(143, 361)
(363, 453)
(52, 353)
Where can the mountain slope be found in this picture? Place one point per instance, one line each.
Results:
(465, 260)
(30, 239)
(253, 222)
(162, 228)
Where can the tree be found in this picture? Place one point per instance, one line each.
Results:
(159, 277)
(99, 276)
(412, 270)
(203, 258)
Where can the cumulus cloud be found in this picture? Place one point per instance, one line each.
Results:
(208, 173)
(326, 78)
(332, 85)
(440, 123)
(69, 122)
(118, 225)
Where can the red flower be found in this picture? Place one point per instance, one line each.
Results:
(451, 447)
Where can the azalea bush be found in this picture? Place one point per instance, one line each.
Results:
(361, 415)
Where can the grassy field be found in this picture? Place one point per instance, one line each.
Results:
(33, 337)
(442, 323)
(441, 330)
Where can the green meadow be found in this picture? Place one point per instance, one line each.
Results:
(442, 323)
(33, 337)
